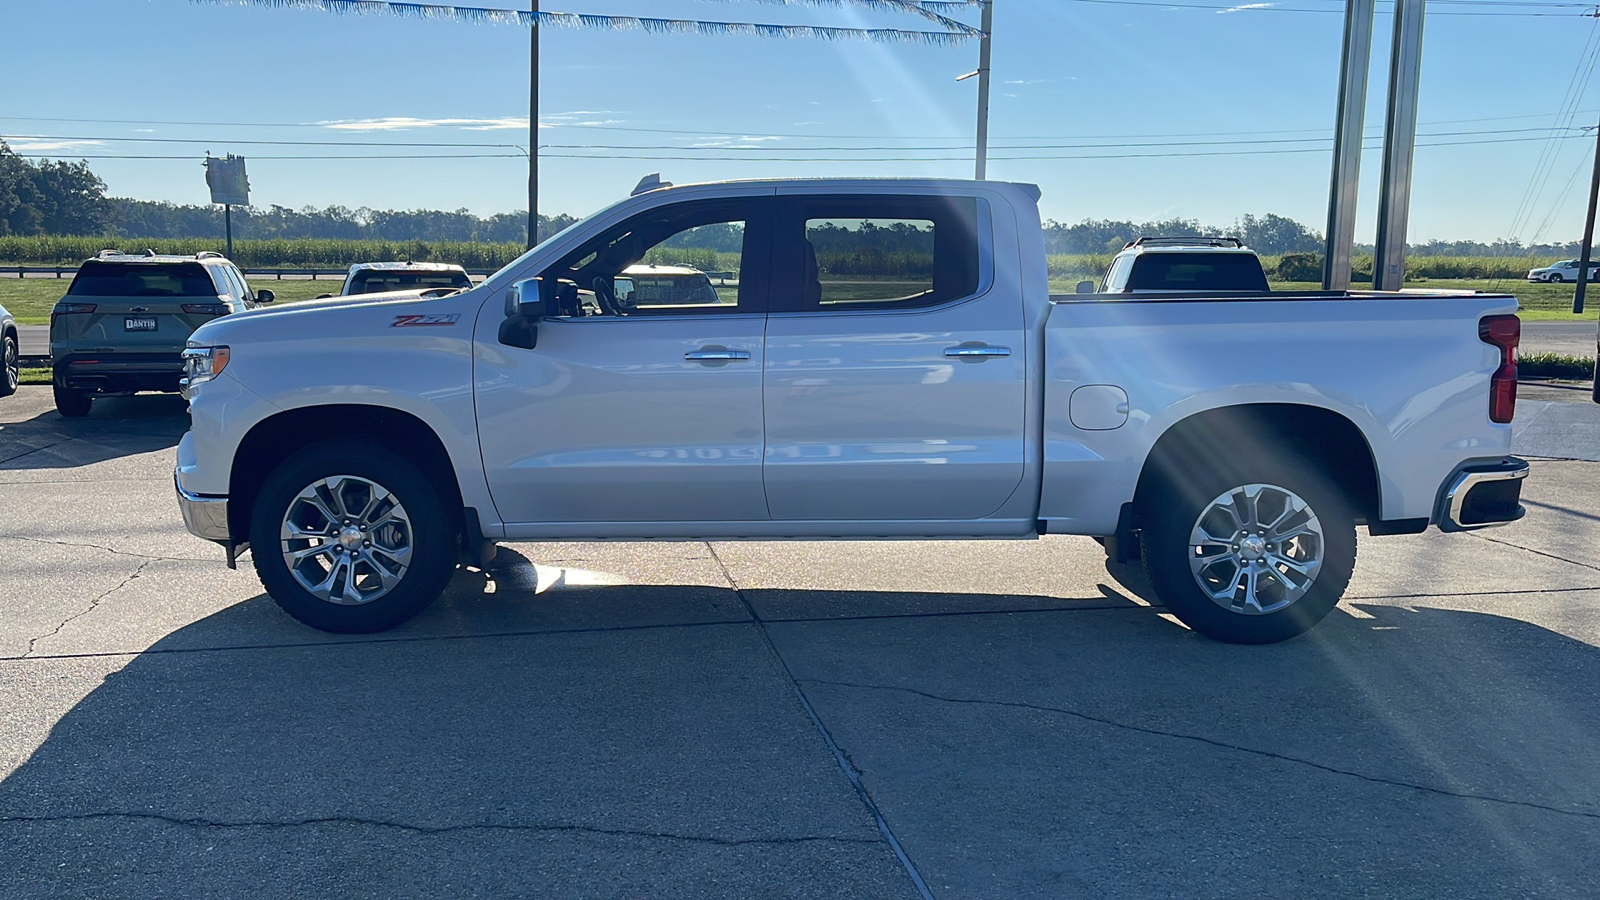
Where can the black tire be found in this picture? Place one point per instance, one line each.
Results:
(70, 403)
(430, 533)
(1555, 278)
(10, 365)
(1173, 512)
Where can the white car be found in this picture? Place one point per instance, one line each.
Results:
(1184, 264)
(1565, 270)
(891, 364)
(387, 277)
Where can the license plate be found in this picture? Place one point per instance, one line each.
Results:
(138, 324)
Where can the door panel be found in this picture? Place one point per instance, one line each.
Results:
(608, 421)
(868, 418)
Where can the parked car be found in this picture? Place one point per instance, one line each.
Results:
(385, 277)
(1183, 264)
(1565, 270)
(653, 285)
(10, 355)
(122, 326)
(1232, 442)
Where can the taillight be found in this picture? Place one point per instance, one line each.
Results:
(1503, 332)
(207, 309)
(69, 309)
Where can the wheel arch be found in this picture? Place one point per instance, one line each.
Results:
(276, 437)
(1249, 435)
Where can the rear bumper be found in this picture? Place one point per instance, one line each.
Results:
(1482, 495)
(119, 372)
(205, 517)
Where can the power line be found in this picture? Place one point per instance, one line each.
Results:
(813, 159)
(1095, 144)
(1265, 7)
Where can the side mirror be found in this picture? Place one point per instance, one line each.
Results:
(265, 296)
(1085, 287)
(524, 308)
(323, 296)
(525, 299)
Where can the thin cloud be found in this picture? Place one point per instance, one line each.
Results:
(36, 146)
(1234, 9)
(403, 123)
(746, 141)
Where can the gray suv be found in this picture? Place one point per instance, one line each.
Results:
(123, 324)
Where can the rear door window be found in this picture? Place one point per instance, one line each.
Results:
(877, 252)
(106, 279)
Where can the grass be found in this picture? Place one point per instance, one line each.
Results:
(29, 299)
(1555, 365)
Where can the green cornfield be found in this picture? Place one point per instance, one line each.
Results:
(327, 254)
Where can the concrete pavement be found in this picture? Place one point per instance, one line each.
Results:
(731, 720)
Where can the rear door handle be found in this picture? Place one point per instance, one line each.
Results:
(717, 354)
(967, 350)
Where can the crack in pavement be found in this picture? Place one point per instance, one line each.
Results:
(1491, 540)
(93, 605)
(18, 537)
(198, 822)
(1222, 745)
(846, 765)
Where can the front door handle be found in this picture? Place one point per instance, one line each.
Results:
(971, 350)
(717, 354)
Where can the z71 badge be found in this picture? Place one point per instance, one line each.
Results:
(419, 321)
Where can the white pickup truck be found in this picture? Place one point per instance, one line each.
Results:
(889, 363)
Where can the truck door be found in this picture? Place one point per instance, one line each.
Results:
(625, 412)
(895, 368)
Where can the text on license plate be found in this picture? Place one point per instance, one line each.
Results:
(141, 324)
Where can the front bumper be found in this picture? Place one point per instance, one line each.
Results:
(1482, 495)
(205, 517)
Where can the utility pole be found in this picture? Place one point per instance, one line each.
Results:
(1588, 231)
(983, 89)
(533, 129)
(1347, 140)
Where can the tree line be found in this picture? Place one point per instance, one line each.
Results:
(67, 199)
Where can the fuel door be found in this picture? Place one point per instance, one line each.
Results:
(1099, 407)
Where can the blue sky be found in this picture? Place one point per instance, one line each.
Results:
(1066, 72)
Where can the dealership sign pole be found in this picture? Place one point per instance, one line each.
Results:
(226, 179)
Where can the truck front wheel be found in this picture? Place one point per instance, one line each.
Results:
(350, 537)
(1249, 559)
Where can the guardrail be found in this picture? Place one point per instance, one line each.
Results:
(279, 272)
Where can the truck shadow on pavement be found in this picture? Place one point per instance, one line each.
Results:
(116, 427)
(1091, 749)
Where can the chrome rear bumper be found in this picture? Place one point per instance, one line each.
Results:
(1482, 495)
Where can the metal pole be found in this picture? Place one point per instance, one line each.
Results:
(1399, 145)
(1588, 232)
(533, 129)
(983, 90)
(1347, 138)
(227, 225)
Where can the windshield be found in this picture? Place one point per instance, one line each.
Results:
(376, 282)
(1197, 272)
(120, 279)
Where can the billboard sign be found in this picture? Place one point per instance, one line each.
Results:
(226, 179)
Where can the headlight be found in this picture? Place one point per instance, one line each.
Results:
(201, 364)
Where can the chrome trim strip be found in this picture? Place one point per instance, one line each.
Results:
(205, 517)
(1456, 497)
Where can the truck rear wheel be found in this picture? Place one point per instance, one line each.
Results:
(350, 537)
(1249, 558)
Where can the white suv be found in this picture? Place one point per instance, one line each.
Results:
(1183, 264)
(1565, 270)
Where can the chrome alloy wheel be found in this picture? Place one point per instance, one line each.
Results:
(346, 540)
(10, 366)
(1256, 549)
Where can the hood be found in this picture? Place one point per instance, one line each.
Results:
(216, 329)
